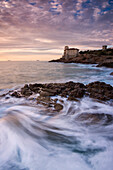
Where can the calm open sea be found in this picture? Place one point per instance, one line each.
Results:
(31, 138)
(17, 73)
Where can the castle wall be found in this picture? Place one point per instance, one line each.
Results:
(70, 52)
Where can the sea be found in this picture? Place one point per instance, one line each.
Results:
(33, 138)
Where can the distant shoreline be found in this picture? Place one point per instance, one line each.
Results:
(100, 57)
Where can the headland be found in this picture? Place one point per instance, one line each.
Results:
(102, 57)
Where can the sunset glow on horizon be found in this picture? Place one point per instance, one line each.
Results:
(39, 29)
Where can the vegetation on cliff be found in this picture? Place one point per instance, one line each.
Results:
(100, 57)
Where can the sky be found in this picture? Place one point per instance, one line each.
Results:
(39, 29)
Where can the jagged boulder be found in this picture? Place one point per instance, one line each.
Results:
(25, 91)
(100, 90)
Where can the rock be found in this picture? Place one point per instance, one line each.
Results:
(100, 90)
(70, 90)
(111, 73)
(61, 101)
(53, 92)
(16, 94)
(46, 101)
(26, 91)
(45, 94)
(77, 93)
(70, 84)
(94, 118)
(106, 64)
(35, 87)
(71, 98)
(79, 85)
(55, 100)
(58, 107)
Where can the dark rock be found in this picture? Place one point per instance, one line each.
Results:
(46, 101)
(26, 91)
(71, 98)
(7, 97)
(55, 100)
(77, 93)
(94, 118)
(70, 84)
(111, 73)
(70, 90)
(35, 87)
(45, 94)
(58, 107)
(61, 101)
(53, 92)
(100, 90)
(79, 85)
(16, 94)
(106, 64)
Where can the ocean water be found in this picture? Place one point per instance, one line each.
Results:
(32, 137)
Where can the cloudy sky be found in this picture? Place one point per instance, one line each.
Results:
(39, 29)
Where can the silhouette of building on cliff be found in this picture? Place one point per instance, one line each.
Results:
(104, 47)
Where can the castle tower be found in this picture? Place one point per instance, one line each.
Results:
(70, 52)
(104, 47)
(66, 48)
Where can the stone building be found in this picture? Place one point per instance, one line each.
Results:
(104, 47)
(70, 52)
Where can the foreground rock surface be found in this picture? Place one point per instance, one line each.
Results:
(70, 90)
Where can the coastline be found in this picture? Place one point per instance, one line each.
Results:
(102, 60)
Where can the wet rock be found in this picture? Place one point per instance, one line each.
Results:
(71, 98)
(61, 101)
(106, 64)
(16, 94)
(100, 90)
(55, 100)
(79, 85)
(35, 87)
(70, 90)
(52, 92)
(58, 107)
(64, 94)
(7, 97)
(77, 93)
(25, 91)
(46, 101)
(94, 118)
(70, 84)
(45, 94)
(111, 73)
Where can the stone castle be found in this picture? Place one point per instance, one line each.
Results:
(70, 52)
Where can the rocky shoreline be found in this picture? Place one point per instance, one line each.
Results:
(48, 94)
(101, 61)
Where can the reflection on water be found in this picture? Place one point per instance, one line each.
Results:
(17, 73)
(31, 139)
